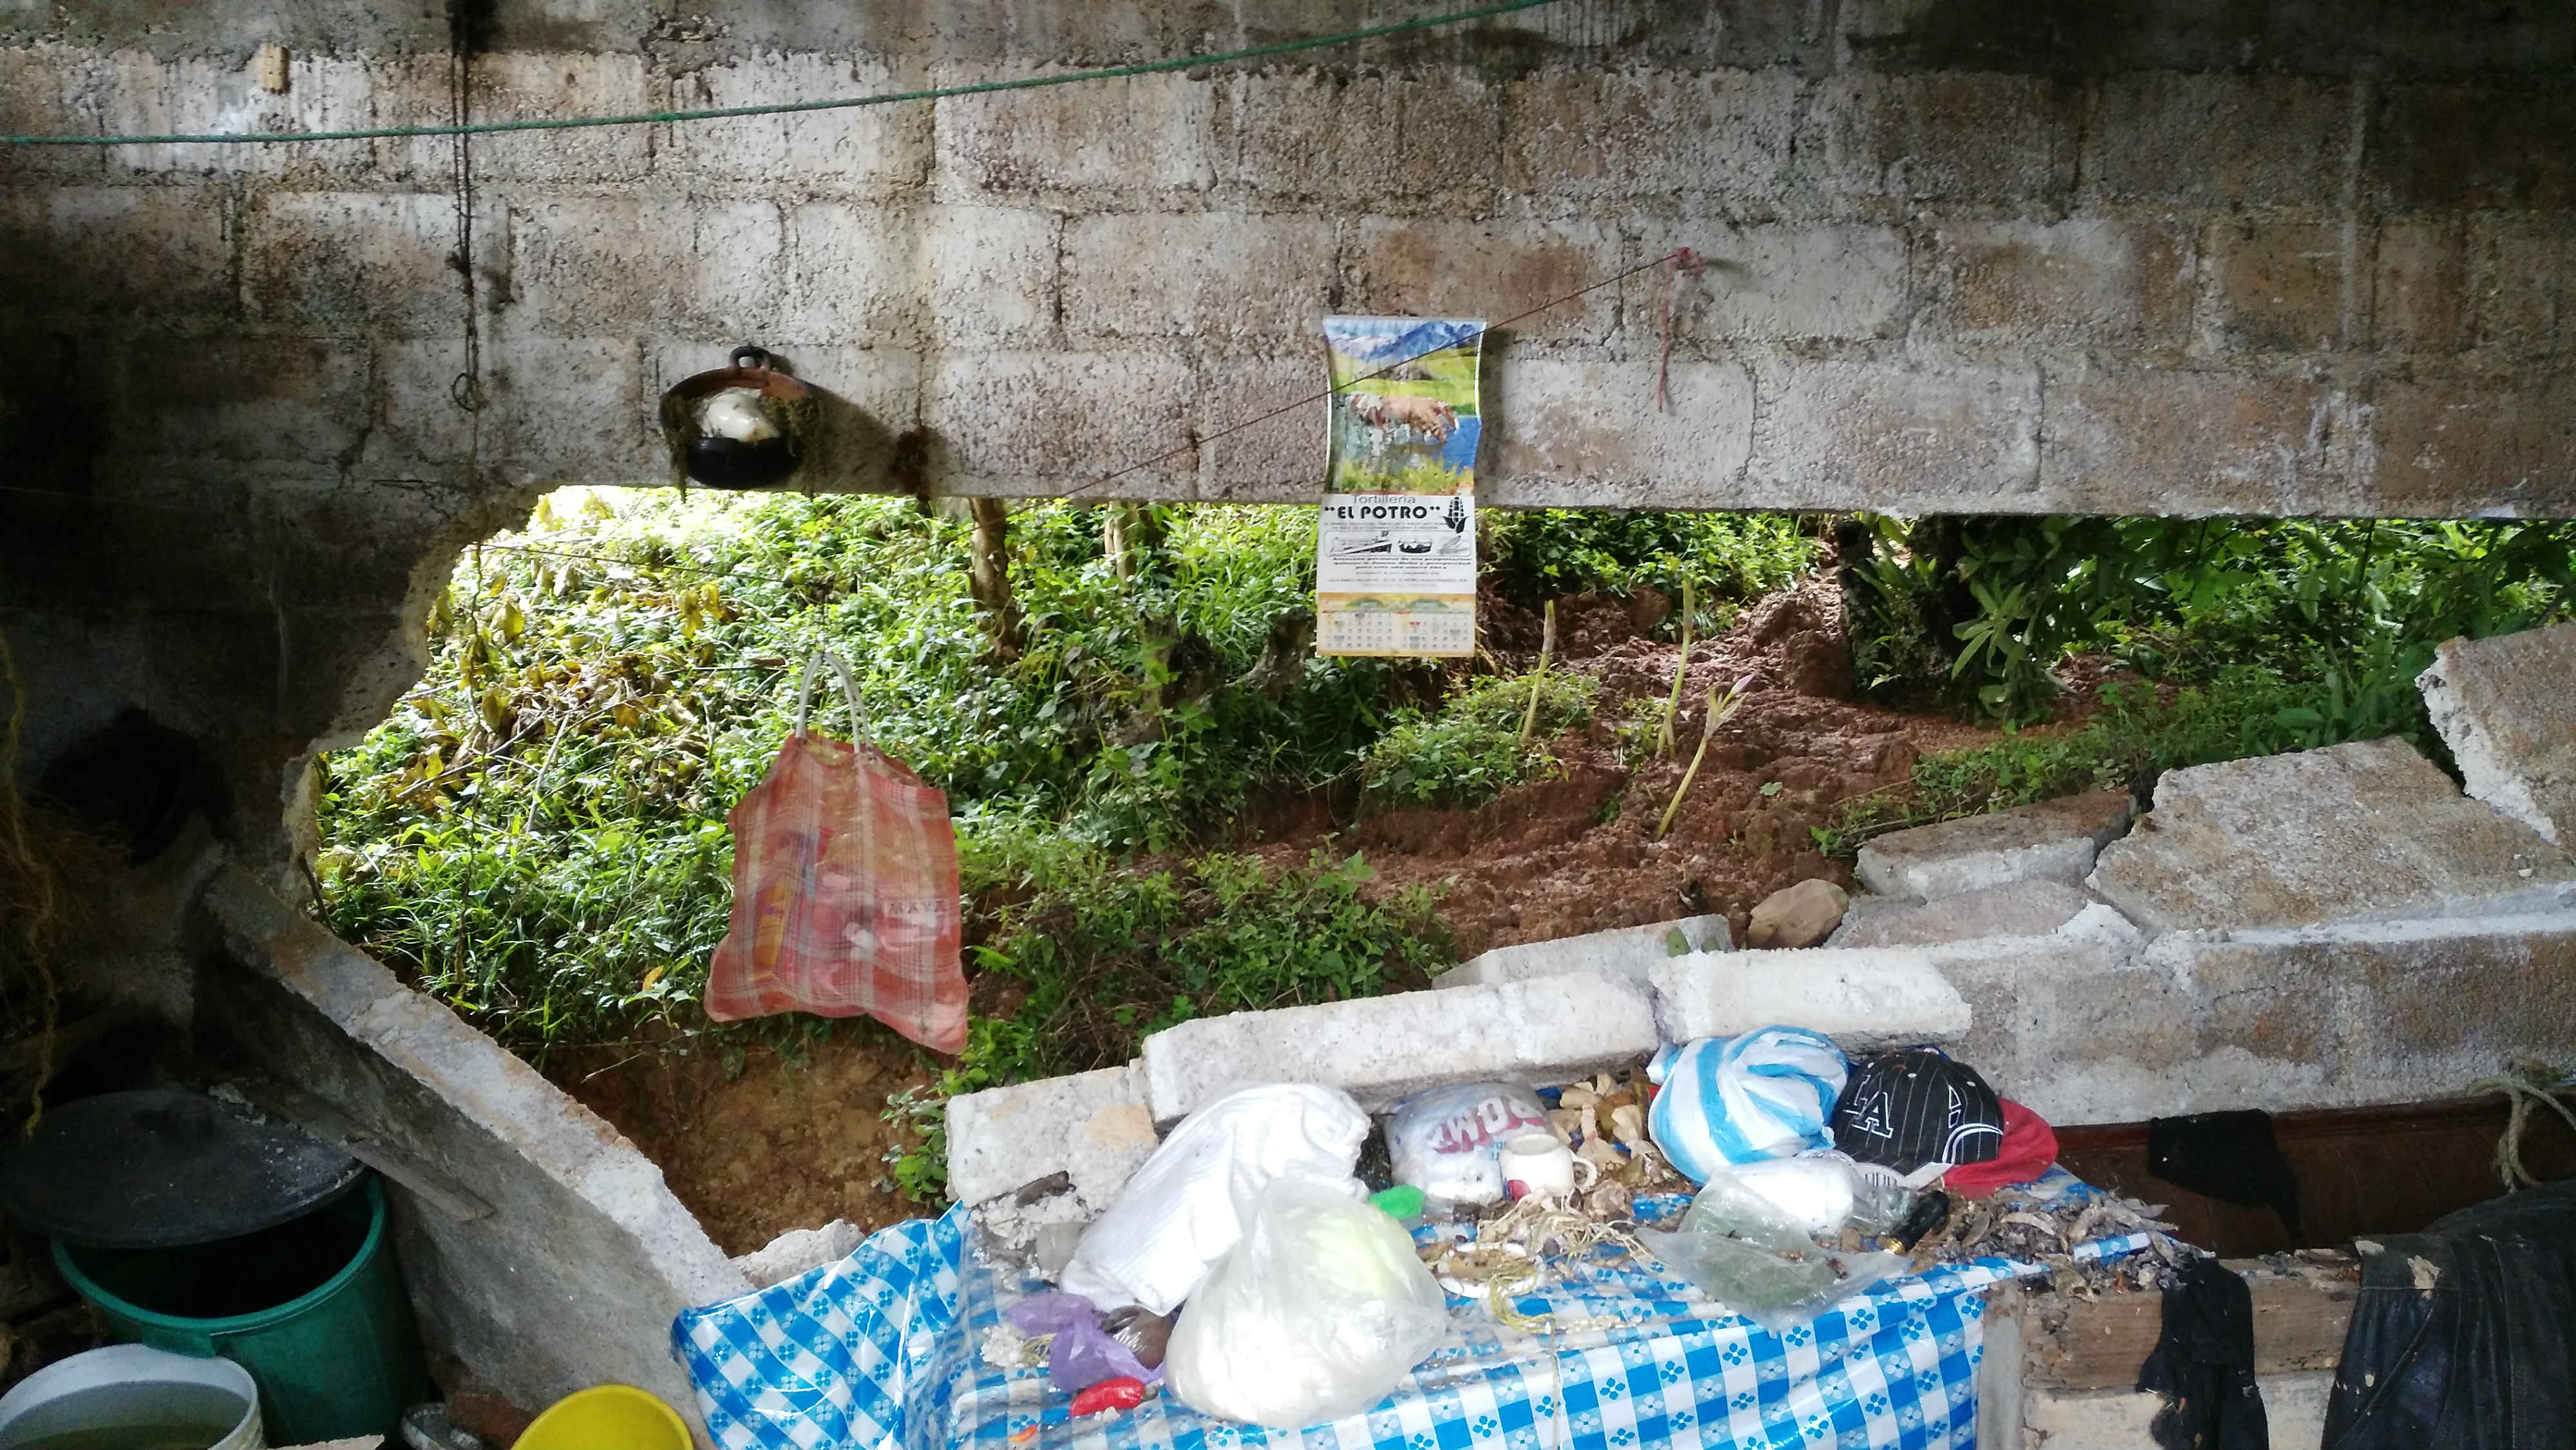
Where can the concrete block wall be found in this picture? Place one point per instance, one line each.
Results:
(2176, 262)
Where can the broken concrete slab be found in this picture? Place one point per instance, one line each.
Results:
(1802, 915)
(1861, 999)
(1540, 1031)
(800, 1251)
(2016, 908)
(2505, 708)
(2367, 831)
(1622, 952)
(1095, 1128)
(572, 1277)
(2053, 840)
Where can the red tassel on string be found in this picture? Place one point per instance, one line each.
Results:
(1683, 260)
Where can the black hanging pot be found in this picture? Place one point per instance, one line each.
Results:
(743, 426)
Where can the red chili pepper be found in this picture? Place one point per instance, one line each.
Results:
(1123, 1393)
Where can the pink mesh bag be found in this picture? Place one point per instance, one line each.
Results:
(844, 890)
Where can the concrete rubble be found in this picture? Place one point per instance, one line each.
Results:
(1094, 1128)
(2512, 732)
(1626, 951)
(2053, 841)
(2368, 831)
(799, 1251)
(2329, 928)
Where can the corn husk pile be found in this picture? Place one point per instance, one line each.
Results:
(2014, 1224)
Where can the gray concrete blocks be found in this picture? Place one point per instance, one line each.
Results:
(1787, 282)
(1861, 999)
(1838, 434)
(2033, 907)
(1600, 135)
(1138, 137)
(1093, 1127)
(1572, 431)
(1391, 141)
(2506, 708)
(1228, 278)
(2086, 280)
(1626, 952)
(2208, 435)
(2051, 841)
(2359, 832)
(1537, 1030)
(799, 1251)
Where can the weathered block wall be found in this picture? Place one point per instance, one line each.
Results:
(1962, 255)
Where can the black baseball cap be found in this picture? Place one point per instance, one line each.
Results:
(1915, 1106)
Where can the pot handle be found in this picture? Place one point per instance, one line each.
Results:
(747, 356)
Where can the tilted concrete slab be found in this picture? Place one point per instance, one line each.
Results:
(1861, 999)
(544, 1253)
(1540, 1031)
(1093, 1127)
(2368, 831)
(799, 1251)
(2507, 708)
(1626, 951)
(2051, 841)
(2017, 908)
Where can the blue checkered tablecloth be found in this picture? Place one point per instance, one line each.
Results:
(881, 1351)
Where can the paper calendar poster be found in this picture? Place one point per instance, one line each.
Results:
(1395, 545)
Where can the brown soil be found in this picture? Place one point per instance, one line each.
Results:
(775, 1148)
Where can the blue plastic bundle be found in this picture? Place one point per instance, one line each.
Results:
(1767, 1094)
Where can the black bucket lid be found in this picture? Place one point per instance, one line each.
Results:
(161, 1168)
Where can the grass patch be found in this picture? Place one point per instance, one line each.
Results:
(1469, 749)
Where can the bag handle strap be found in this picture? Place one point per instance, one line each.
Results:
(849, 690)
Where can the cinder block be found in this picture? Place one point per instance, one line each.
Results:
(862, 151)
(2086, 280)
(1861, 999)
(584, 265)
(2018, 908)
(244, 397)
(556, 410)
(2202, 441)
(2217, 139)
(1410, 141)
(1244, 283)
(1938, 135)
(2525, 285)
(1779, 281)
(2051, 841)
(1093, 1127)
(1140, 137)
(515, 84)
(2279, 287)
(137, 93)
(2465, 446)
(37, 99)
(346, 261)
(82, 252)
(2419, 286)
(1449, 267)
(1277, 460)
(1857, 434)
(2368, 831)
(993, 274)
(1042, 423)
(1626, 952)
(852, 273)
(1569, 431)
(2463, 145)
(2504, 707)
(1609, 135)
(1541, 1031)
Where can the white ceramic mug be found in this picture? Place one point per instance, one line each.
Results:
(1536, 1163)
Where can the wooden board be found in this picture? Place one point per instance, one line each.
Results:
(2300, 1312)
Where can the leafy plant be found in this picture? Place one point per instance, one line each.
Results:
(1540, 554)
(1468, 750)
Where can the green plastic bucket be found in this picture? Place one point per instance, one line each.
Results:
(313, 1308)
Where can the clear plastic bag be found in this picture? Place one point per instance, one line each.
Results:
(1742, 1248)
(1318, 1313)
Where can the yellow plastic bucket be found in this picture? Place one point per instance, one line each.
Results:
(607, 1417)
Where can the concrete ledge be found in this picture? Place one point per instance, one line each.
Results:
(1544, 1030)
(2051, 841)
(2017, 908)
(2368, 831)
(1093, 1127)
(2504, 707)
(1861, 999)
(573, 1275)
(1627, 951)
(2294, 1405)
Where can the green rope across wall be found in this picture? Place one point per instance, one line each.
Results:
(656, 118)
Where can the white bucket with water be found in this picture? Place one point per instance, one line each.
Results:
(133, 1397)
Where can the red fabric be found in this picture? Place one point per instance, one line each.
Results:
(844, 896)
(2029, 1146)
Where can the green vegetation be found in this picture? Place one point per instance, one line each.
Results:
(1543, 554)
(1467, 750)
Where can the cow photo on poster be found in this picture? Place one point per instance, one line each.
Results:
(1395, 546)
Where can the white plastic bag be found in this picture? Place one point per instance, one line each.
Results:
(1448, 1141)
(1320, 1311)
(1190, 1201)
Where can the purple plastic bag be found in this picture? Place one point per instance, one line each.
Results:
(1083, 1354)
